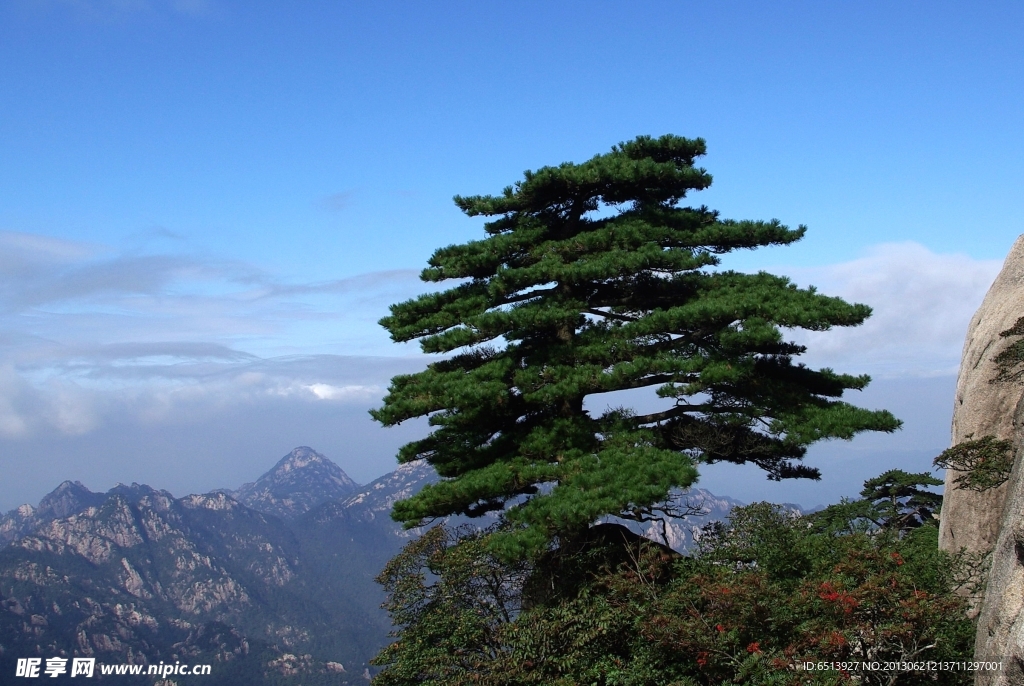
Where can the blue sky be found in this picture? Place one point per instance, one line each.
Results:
(206, 205)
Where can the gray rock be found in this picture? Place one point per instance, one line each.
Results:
(971, 519)
(993, 520)
(1000, 634)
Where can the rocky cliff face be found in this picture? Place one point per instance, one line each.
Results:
(1001, 620)
(992, 520)
(971, 519)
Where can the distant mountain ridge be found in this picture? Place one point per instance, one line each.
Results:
(67, 499)
(374, 501)
(273, 581)
(246, 577)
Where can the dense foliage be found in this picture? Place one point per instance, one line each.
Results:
(593, 279)
(764, 593)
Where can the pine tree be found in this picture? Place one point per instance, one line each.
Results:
(592, 279)
(900, 500)
(895, 502)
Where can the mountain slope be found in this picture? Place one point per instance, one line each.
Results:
(373, 502)
(142, 576)
(149, 575)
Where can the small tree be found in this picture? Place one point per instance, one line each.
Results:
(594, 279)
(900, 499)
(894, 503)
(982, 463)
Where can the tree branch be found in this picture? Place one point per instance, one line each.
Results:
(610, 315)
(677, 411)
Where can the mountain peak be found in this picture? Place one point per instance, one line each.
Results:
(299, 481)
(303, 456)
(136, 492)
(71, 497)
(68, 498)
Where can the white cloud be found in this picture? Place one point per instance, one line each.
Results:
(13, 421)
(87, 335)
(325, 391)
(69, 408)
(922, 302)
(90, 337)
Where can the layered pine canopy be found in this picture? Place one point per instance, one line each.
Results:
(594, 279)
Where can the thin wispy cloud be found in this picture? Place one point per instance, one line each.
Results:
(400, 281)
(154, 234)
(69, 293)
(336, 202)
(42, 271)
(89, 336)
(18, 249)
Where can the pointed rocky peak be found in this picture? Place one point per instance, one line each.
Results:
(71, 497)
(300, 481)
(67, 499)
(135, 492)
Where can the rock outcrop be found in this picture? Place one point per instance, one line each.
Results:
(71, 497)
(992, 520)
(971, 519)
(1001, 621)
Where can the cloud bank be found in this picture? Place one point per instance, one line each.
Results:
(113, 364)
(194, 372)
(922, 303)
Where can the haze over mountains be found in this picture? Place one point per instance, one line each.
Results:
(271, 583)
